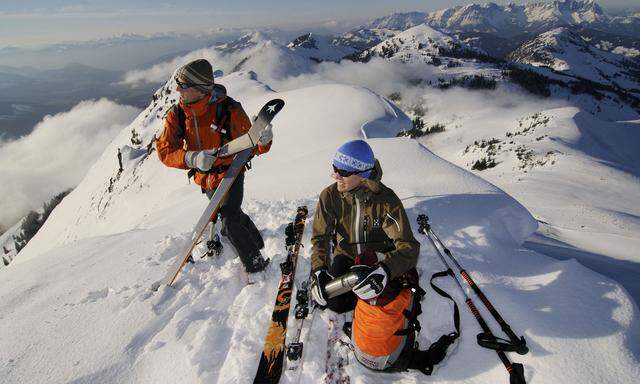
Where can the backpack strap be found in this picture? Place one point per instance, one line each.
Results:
(412, 315)
(223, 118)
(425, 360)
(441, 292)
(182, 120)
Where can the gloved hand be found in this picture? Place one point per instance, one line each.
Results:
(319, 279)
(201, 160)
(373, 284)
(267, 134)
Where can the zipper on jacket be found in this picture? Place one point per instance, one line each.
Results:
(356, 227)
(365, 228)
(195, 122)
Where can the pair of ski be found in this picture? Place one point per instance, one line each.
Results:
(275, 349)
(242, 150)
(272, 357)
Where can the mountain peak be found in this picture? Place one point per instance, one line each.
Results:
(512, 19)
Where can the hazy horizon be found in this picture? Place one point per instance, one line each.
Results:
(45, 22)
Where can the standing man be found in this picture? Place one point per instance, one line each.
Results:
(205, 119)
(370, 231)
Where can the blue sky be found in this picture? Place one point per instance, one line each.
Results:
(32, 22)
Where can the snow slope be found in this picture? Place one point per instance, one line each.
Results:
(418, 44)
(577, 174)
(318, 47)
(76, 305)
(563, 50)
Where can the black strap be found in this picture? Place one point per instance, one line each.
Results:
(456, 311)
(424, 361)
(416, 310)
(223, 118)
(182, 121)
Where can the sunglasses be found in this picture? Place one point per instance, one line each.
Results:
(187, 85)
(343, 173)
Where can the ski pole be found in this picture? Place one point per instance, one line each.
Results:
(516, 370)
(518, 344)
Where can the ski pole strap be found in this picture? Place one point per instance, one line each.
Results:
(441, 292)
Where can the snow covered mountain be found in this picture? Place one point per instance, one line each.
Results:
(360, 39)
(513, 19)
(76, 304)
(566, 52)
(319, 48)
(418, 44)
(397, 21)
(574, 171)
(498, 29)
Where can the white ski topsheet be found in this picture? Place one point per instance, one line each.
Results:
(76, 307)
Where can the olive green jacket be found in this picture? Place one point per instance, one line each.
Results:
(370, 217)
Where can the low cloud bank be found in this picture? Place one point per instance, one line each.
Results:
(56, 155)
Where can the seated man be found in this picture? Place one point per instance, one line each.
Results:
(369, 228)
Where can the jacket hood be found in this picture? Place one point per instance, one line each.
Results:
(374, 181)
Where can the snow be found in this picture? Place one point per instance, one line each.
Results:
(514, 19)
(76, 304)
(580, 179)
(319, 47)
(566, 52)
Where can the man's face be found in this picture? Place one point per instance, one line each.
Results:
(346, 184)
(189, 95)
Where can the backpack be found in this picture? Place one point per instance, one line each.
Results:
(223, 114)
(223, 119)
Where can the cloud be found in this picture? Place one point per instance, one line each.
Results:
(56, 155)
(159, 73)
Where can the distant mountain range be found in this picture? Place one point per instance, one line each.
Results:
(563, 50)
(498, 29)
(551, 38)
(512, 19)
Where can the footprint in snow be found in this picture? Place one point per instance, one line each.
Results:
(94, 296)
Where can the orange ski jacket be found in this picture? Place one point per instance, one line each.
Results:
(201, 132)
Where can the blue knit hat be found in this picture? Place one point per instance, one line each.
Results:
(355, 156)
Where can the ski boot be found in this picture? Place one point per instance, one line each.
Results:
(214, 247)
(258, 264)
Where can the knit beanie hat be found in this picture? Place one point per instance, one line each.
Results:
(197, 73)
(355, 156)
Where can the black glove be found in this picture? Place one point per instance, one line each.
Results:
(319, 279)
(374, 282)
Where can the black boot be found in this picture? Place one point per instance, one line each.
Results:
(257, 264)
(214, 247)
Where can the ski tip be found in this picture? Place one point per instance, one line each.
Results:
(272, 107)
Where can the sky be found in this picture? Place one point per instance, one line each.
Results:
(36, 22)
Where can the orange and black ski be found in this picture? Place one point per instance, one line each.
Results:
(272, 358)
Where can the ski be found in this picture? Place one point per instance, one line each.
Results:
(295, 349)
(272, 357)
(336, 359)
(242, 148)
(250, 139)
